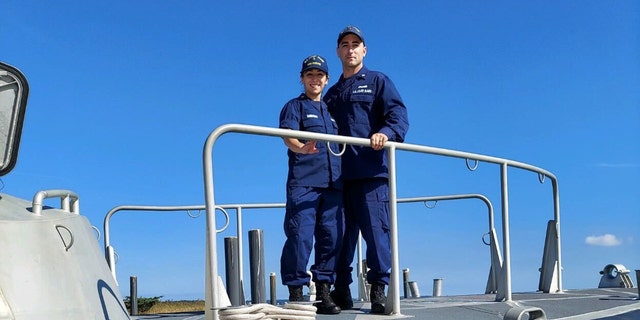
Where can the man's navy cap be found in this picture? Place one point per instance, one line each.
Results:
(352, 30)
(315, 62)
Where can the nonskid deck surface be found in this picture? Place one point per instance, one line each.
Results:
(609, 304)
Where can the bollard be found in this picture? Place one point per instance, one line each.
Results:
(364, 287)
(415, 293)
(232, 271)
(638, 282)
(272, 285)
(437, 287)
(405, 280)
(133, 294)
(256, 264)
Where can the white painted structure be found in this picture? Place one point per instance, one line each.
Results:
(51, 264)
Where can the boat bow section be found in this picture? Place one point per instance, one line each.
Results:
(52, 266)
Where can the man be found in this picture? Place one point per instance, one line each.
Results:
(314, 191)
(365, 104)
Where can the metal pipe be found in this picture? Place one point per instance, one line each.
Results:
(556, 215)
(638, 282)
(415, 293)
(256, 265)
(394, 283)
(211, 260)
(110, 257)
(505, 232)
(133, 295)
(231, 270)
(240, 253)
(65, 195)
(272, 287)
(405, 280)
(437, 287)
(362, 272)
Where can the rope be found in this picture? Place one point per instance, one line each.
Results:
(265, 311)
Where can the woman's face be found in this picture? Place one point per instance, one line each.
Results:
(314, 82)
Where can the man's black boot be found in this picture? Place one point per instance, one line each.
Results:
(295, 293)
(341, 295)
(378, 299)
(326, 304)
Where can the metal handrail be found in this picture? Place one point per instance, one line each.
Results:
(211, 305)
(110, 253)
(108, 249)
(65, 196)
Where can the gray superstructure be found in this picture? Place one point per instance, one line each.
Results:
(51, 264)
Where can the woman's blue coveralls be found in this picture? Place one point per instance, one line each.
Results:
(314, 198)
(364, 104)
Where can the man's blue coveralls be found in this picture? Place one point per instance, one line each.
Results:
(364, 104)
(314, 198)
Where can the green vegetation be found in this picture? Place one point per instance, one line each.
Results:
(155, 306)
(144, 304)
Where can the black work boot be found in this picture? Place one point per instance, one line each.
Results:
(326, 304)
(378, 299)
(341, 295)
(295, 293)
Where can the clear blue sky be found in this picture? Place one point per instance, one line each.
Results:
(124, 94)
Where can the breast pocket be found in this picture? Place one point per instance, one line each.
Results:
(362, 98)
(313, 125)
(362, 106)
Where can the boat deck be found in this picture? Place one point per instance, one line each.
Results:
(605, 303)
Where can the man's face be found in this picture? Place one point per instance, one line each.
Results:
(351, 51)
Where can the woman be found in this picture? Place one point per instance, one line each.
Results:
(314, 191)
